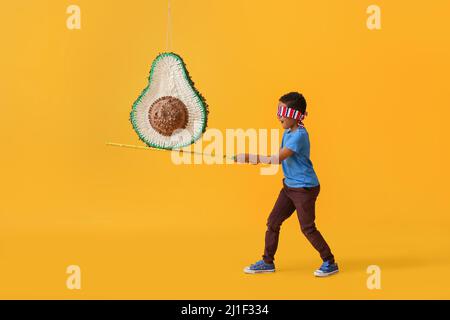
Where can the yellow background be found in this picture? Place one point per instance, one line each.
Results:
(141, 227)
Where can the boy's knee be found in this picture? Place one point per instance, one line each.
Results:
(273, 226)
(307, 230)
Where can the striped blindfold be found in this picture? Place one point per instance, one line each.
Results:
(284, 111)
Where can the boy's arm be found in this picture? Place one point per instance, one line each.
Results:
(275, 159)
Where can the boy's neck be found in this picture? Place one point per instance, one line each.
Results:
(293, 128)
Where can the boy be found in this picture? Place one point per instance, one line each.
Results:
(300, 187)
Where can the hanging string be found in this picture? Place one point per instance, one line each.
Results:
(169, 26)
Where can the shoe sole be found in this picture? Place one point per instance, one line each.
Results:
(249, 271)
(324, 275)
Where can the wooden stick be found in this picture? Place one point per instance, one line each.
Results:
(112, 144)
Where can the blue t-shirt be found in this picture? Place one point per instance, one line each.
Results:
(298, 169)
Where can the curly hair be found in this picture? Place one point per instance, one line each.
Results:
(295, 101)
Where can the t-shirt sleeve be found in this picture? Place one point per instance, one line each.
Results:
(295, 142)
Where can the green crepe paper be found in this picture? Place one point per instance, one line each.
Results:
(200, 99)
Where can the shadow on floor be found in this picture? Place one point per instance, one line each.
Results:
(360, 264)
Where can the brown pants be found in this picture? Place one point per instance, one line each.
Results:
(290, 199)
